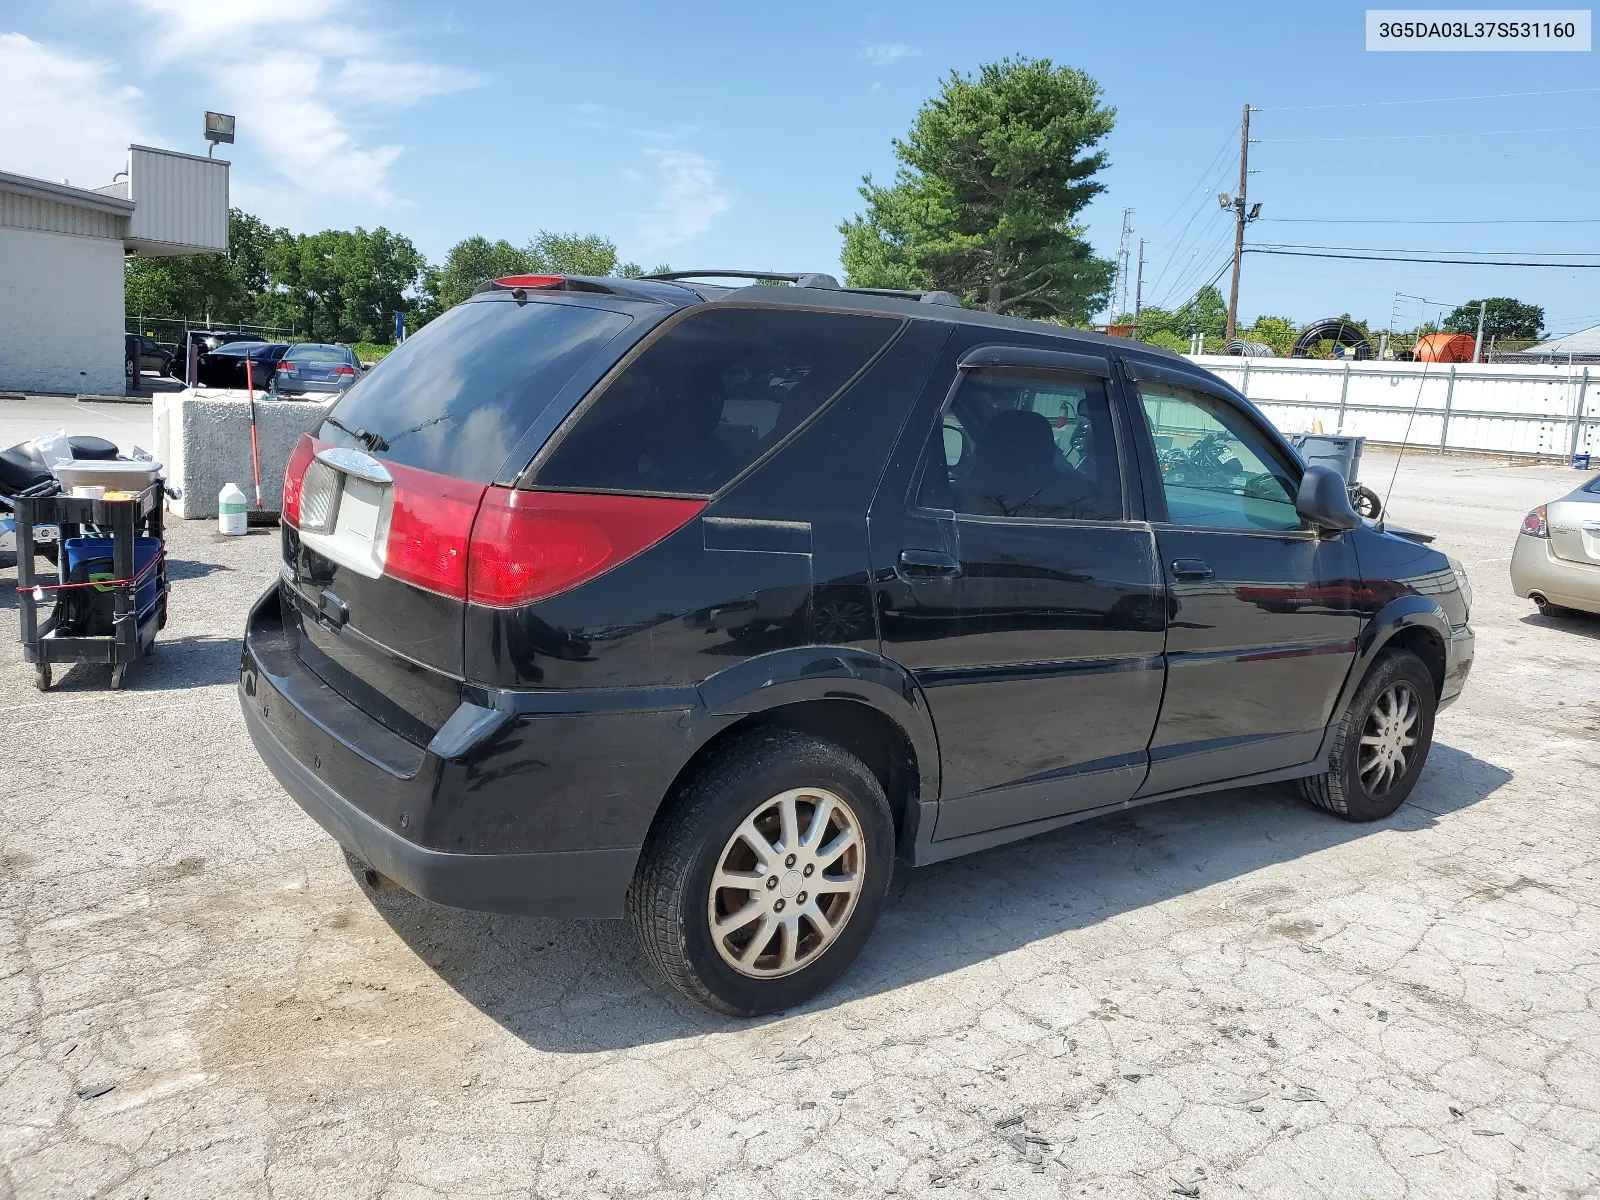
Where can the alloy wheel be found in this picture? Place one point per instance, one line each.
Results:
(786, 883)
(1389, 737)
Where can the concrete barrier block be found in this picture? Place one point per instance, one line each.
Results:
(203, 439)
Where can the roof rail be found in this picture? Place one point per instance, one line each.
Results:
(811, 279)
(934, 297)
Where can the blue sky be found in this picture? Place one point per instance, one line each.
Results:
(734, 135)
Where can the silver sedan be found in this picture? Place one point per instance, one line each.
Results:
(1556, 562)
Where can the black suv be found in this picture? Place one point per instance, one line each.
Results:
(703, 605)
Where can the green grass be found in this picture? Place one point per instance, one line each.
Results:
(369, 352)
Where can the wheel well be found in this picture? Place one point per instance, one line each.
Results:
(870, 735)
(1427, 646)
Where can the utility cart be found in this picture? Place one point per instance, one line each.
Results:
(110, 597)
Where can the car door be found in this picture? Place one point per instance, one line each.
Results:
(1265, 615)
(1019, 584)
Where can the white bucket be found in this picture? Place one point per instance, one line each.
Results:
(232, 517)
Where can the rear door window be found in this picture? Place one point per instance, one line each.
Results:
(455, 397)
(1020, 445)
(714, 393)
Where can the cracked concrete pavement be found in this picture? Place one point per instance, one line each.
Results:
(1229, 995)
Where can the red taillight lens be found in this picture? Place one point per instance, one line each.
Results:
(430, 524)
(529, 546)
(1534, 523)
(344, 370)
(286, 365)
(294, 476)
(531, 281)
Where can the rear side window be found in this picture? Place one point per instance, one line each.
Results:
(455, 397)
(709, 397)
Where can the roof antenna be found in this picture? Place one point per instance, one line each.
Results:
(1405, 440)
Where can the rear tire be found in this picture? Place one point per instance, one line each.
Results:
(1380, 744)
(772, 807)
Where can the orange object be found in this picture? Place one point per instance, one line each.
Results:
(1445, 348)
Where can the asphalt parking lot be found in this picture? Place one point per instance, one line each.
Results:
(1230, 995)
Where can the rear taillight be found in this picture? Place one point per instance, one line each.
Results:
(1534, 524)
(430, 524)
(294, 476)
(286, 365)
(344, 370)
(531, 281)
(529, 546)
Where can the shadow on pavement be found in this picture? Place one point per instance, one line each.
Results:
(1580, 624)
(579, 986)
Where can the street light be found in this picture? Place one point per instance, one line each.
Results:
(219, 128)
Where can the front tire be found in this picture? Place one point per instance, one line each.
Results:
(768, 874)
(1380, 743)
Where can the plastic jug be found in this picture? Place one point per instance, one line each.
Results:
(231, 515)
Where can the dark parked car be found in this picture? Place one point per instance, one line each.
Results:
(224, 367)
(705, 606)
(314, 367)
(152, 355)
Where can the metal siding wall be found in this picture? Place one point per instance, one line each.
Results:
(48, 216)
(179, 200)
(1519, 409)
(61, 318)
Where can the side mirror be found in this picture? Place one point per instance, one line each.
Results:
(1324, 501)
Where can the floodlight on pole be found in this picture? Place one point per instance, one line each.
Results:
(219, 128)
(1224, 200)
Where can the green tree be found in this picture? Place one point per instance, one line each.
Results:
(993, 174)
(473, 260)
(343, 285)
(1277, 332)
(200, 287)
(1503, 318)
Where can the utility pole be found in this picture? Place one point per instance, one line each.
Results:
(1477, 345)
(1239, 220)
(1138, 290)
(1119, 284)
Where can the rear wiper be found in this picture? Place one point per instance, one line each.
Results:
(371, 441)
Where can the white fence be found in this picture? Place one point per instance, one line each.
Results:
(1521, 409)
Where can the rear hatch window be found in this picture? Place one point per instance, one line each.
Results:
(455, 397)
(716, 391)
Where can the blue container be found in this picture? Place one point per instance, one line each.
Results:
(89, 549)
(1580, 461)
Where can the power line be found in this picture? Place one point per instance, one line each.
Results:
(1459, 262)
(1205, 174)
(1407, 250)
(1406, 221)
(1437, 100)
(1460, 133)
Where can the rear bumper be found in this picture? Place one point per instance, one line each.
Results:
(1535, 568)
(574, 883)
(503, 811)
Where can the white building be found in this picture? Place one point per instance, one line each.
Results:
(61, 262)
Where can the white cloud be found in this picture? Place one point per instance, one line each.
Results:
(690, 199)
(64, 117)
(290, 70)
(886, 54)
(399, 85)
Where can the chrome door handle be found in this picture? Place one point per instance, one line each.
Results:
(926, 564)
(1191, 569)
